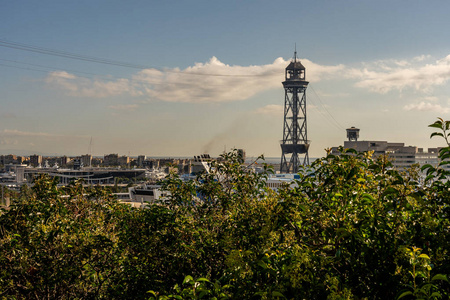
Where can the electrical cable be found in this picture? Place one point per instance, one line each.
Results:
(65, 54)
(328, 112)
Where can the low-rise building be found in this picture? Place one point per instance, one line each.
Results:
(402, 156)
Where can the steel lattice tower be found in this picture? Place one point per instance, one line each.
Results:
(295, 137)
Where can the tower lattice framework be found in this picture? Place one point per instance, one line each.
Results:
(295, 144)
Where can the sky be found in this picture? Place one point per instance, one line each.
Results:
(182, 78)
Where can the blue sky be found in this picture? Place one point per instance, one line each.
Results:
(207, 74)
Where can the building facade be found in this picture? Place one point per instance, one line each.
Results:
(402, 156)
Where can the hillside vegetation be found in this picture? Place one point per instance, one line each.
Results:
(351, 227)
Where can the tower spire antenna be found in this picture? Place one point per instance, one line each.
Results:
(295, 52)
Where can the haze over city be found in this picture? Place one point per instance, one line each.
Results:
(166, 78)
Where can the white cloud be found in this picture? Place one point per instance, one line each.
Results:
(401, 63)
(431, 99)
(210, 82)
(271, 110)
(426, 106)
(84, 87)
(421, 57)
(403, 76)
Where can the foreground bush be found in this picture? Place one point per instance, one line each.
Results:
(351, 227)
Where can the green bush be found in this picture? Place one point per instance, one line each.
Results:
(351, 227)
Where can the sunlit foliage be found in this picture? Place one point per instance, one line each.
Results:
(351, 227)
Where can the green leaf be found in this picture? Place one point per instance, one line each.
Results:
(440, 277)
(368, 197)
(437, 124)
(390, 191)
(351, 150)
(435, 295)
(444, 156)
(404, 294)
(436, 134)
(277, 294)
(188, 279)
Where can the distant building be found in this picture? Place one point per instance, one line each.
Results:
(8, 159)
(86, 160)
(90, 176)
(96, 161)
(77, 164)
(64, 160)
(201, 163)
(123, 160)
(402, 156)
(35, 160)
(50, 161)
(111, 159)
(140, 160)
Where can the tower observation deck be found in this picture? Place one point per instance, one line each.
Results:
(295, 143)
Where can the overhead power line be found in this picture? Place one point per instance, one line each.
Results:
(46, 69)
(42, 66)
(65, 54)
(332, 120)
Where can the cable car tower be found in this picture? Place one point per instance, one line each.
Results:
(295, 138)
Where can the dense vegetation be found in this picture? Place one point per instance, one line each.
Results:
(351, 227)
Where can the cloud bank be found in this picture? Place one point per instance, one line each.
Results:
(91, 88)
(385, 76)
(210, 82)
(426, 106)
(217, 82)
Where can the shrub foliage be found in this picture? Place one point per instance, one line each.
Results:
(351, 227)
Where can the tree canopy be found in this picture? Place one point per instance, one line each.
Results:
(351, 227)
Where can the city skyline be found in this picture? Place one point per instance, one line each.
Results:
(180, 79)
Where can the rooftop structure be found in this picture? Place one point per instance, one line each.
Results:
(353, 134)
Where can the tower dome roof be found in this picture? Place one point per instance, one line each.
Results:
(295, 65)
